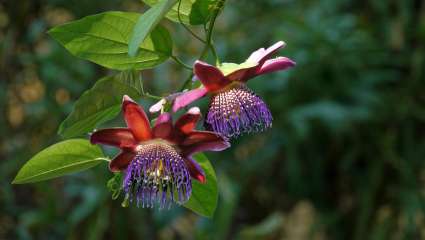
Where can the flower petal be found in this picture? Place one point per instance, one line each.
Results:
(117, 137)
(273, 65)
(157, 106)
(242, 73)
(195, 171)
(121, 161)
(163, 126)
(270, 51)
(211, 77)
(188, 97)
(136, 119)
(261, 55)
(256, 55)
(199, 141)
(187, 122)
(163, 118)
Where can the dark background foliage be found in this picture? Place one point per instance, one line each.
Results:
(344, 159)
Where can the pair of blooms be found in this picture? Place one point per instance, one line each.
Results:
(157, 162)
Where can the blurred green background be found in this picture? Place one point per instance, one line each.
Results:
(344, 159)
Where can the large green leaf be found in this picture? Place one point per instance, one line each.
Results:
(147, 22)
(193, 12)
(99, 104)
(204, 196)
(103, 38)
(62, 158)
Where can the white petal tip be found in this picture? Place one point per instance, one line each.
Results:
(194, 111)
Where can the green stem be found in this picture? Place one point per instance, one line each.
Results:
(208, 45)
(214, 52)
(146, 94)
(181, 63)
(186, 27)
(152, 96)
(210, 28)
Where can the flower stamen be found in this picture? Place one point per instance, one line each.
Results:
(157, 175)
(236, 111)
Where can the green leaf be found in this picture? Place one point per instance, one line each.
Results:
(103, 38)
(193, 12)
(147, 22)
(62, 158)
(99, 104)
(204, 196)
(228, 68)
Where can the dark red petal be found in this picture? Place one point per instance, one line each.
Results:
(195, 170)
(199, 141)
(118, 137)
(187, 122)
(136, 119)
(188, 97)
(211, 77)
(121, 161)
(200, 136)
(240, 74)
(276, 64)
(163, 126)
(261, 56)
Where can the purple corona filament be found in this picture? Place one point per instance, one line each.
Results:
(157, 175)
(236, 111)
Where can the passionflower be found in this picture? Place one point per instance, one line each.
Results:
(157, 162)
(234, 108)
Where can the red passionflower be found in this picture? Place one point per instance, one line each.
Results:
(157, 161)
(234, 108)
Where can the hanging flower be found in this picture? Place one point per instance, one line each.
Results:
(235, 109)
(157, 162)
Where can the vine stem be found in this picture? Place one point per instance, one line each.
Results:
(181, 63)
(186, 27)
(208, 44)
(210, 28)
(146, 94)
